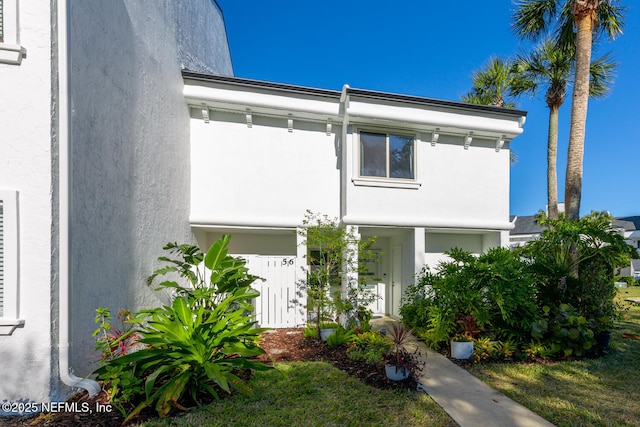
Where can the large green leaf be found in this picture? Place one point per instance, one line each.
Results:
(217, 253)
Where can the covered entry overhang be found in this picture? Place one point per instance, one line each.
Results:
(274, 255)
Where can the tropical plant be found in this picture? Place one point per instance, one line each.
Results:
(552, 67)
(600, 249)
(196, 346)
(114, 342)
(415, 303)
(495, 84)
(495, 289)
(398, 355)
(335, 282)
(368, 347)
(574, 23)
(340, 337)
(564, 331)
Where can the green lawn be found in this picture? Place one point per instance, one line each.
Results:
(315, 394)
(595, 392)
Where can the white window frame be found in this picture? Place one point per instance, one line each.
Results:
(11, 52)
(11, 258)
(374, 181)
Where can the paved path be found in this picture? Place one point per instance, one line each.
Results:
(469, 401)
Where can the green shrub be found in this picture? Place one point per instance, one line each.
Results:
(368, 347)
(340, 337)
(309, 332)
(573, 263)
(415, 303)
(198, 344)
(495, 289)
(566, 330)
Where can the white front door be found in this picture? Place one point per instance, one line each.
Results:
(396, 280)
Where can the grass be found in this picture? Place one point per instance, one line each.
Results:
(592, 392)
(315, 394)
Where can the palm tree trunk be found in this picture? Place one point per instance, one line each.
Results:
(580, 100)
(552, 155)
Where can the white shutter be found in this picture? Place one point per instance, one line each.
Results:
(1, 251)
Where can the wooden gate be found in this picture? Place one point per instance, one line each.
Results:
(279, 305)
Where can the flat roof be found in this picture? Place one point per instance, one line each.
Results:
(364, 93)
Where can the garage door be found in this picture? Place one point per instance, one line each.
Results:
(278, 305)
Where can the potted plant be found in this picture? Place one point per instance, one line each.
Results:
(399, 362)
(462, 344)
(461, 347)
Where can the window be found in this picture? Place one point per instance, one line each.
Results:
(11, 52)
(387, 155)
(9, 262)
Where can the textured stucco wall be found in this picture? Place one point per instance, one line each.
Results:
(130, 143)
(26, 150)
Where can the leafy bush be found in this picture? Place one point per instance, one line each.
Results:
(567, 331)
(196, 346)
(368, 347)
(340, 337)
(415, 303)
(573, 263)
(495, 290)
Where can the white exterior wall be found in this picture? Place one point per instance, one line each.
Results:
(26, 150)
(130, 139)
(130, 166)
(458, 188)
(262, 175)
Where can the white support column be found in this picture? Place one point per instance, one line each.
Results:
(301, 274)
(419, 249)
(504, 238)
(350, 267)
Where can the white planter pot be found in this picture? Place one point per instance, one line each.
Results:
(324, 333)
(461, 349)
(395, 373)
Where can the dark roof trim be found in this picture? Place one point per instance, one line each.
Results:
(351, 91)
(434, 102)
(259, 84)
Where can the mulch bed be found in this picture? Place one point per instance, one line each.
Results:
(281, 345)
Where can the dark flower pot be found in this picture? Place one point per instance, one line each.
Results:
(603, 339)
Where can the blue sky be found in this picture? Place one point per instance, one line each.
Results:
(431, 49)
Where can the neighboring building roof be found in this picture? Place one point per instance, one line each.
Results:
(526, 225)
(629, 223)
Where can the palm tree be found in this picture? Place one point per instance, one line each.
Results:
(574, 22)
(493, 84)
(549, 65)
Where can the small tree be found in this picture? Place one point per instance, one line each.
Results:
(336, 256)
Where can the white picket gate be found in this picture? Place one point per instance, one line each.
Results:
(276, 306)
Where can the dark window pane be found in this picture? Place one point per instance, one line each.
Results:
(400, 156)
(373, 148)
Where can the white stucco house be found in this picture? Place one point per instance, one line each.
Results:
(123, 128)
(422, 175)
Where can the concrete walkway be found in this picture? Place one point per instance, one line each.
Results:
(469, 401)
